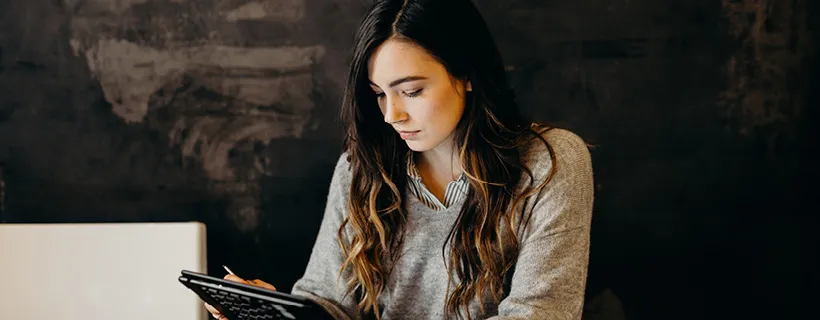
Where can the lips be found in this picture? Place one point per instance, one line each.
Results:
(408, 135)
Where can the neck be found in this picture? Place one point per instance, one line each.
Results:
(441, 161)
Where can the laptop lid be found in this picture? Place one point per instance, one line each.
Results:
(100, 271)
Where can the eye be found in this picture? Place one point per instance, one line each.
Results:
(412, 94)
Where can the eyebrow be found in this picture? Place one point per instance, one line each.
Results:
(402, 80)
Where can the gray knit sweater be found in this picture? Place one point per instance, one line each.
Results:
(550, 272)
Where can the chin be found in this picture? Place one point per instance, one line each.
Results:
(418, 146)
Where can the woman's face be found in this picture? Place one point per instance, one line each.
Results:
(416, 94)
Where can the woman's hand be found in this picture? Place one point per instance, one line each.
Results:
(230, 277)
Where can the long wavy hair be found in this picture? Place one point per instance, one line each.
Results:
(487, 141)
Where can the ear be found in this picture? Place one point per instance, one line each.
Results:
(469, 86)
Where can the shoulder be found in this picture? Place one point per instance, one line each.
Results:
(343, 165)
(562, 166)
(561, 151)
(342, 175)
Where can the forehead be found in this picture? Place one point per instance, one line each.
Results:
(395, 59)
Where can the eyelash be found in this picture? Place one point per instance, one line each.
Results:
(412, 94)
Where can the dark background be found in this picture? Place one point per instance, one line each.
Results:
(701, 113)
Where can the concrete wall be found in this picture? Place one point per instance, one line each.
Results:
(225, 112)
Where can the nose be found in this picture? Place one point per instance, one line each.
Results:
(394, 111)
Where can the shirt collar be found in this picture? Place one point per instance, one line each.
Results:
(413, 171)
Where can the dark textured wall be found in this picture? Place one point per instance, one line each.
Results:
(701, 113)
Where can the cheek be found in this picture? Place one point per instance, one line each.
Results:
(380, 103)
(449, 111)
(426, 112)
(436, 114)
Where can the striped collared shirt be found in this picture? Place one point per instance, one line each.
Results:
(456, 190)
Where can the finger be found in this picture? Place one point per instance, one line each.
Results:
(215, 313)
(263, 284)
(211, 309)
(234, 278)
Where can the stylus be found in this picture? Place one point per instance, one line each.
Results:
(229, 270)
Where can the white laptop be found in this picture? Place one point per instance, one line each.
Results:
(117, 271)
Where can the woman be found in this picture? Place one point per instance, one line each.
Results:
(447, 203)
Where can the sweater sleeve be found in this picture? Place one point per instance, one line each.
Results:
(320, 281)
(549, 279)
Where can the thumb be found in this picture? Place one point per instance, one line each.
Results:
(263, 284)
(234, 278)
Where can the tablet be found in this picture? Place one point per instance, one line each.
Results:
(239, 301)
